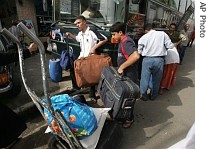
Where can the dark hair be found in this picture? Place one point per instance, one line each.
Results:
(81, 17)
(148, 26)
(118, 26)
(174, 24)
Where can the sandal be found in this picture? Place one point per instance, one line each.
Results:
(72, 89)
(127, 124)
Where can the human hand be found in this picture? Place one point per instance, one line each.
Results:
(68, 34)
(32, 47)
(120, 71)
(91, 53)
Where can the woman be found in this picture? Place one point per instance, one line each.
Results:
(170, 68)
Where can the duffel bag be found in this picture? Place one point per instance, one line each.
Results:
(88, 69)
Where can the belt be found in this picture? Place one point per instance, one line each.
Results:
(154, 56)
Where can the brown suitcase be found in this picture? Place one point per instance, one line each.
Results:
(88, 69)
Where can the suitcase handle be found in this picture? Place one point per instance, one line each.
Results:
(121, 76)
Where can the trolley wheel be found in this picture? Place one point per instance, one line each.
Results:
(53, 143)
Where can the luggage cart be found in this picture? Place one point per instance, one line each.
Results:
(65, 142)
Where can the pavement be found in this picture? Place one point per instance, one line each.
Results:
(158, 124)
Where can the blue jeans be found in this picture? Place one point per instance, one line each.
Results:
(182, 53)
(152, 68)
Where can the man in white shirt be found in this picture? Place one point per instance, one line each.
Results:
(153, 47)
(90, 40)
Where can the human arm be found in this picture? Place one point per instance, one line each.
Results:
(70, 35)
(99, 38)
(134, 57)
(12, 55)
(96, 46)
(167, 42)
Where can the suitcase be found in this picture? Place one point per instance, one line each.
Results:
(117, 92)
(88, 69)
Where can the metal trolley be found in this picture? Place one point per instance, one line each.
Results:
(65, 142)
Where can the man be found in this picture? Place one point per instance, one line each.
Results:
(184, 44)
(153, 46)
(90, 40)
(174, 35)
(12, 56)
(127, 58)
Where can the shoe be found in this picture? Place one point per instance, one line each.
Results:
(93, 100)
(73, 89)
(160, 91)
(143, 98)
(152, 97)
(127, 124)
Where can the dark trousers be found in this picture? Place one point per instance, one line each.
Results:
(182, 53)
(73, 79)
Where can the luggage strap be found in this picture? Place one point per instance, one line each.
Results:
(126, 109)
(128, 103)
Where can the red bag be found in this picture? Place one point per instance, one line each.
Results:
(88, 69)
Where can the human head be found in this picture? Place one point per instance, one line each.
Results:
(172, 27)
(147, 27)
(117, 30)
(80, 23)
(186, 27)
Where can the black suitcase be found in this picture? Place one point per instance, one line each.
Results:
(117, 92)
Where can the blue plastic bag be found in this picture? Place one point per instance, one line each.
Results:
(79, 116)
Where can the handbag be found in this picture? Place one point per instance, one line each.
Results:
(67, 59)
(79, 116)
(88, 69)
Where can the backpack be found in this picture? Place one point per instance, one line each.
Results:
(67, 59)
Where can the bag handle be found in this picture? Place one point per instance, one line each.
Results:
(122, 48)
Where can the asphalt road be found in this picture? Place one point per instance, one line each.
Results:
(158, 124)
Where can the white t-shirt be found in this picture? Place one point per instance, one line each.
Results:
(87, 40)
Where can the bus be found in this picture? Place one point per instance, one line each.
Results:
(103, 13)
